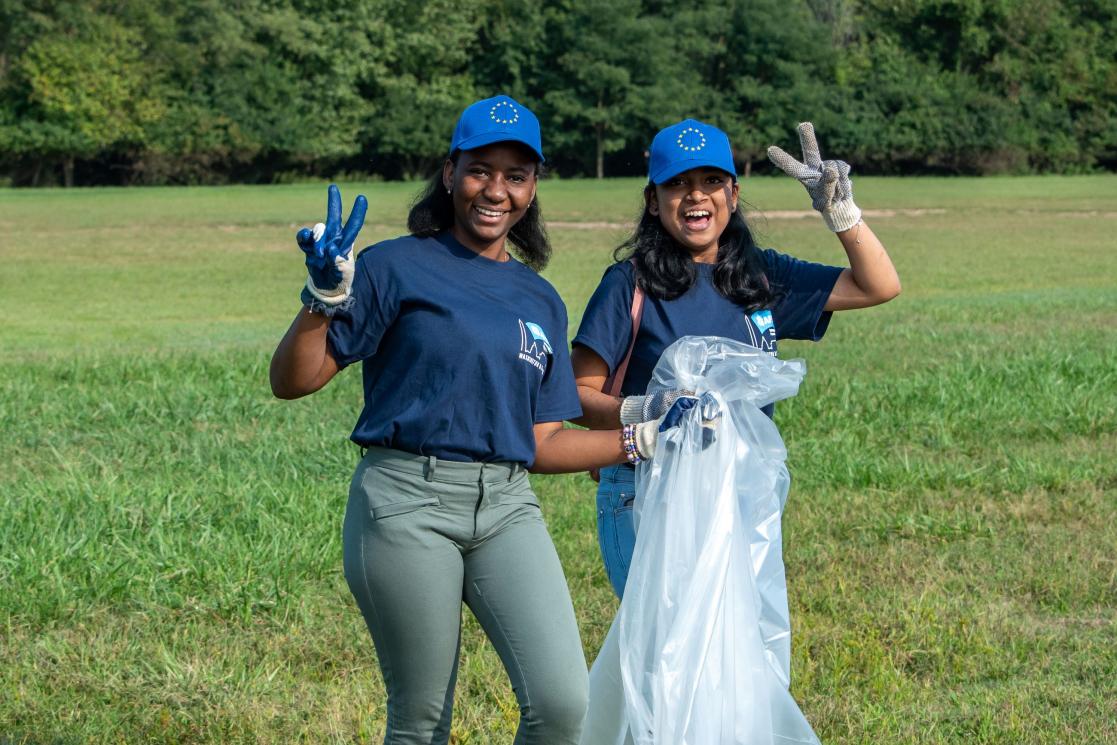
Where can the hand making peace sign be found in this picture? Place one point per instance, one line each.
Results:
(827, 181)
(329, 251)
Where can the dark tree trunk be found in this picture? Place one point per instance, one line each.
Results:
(600, 150)
(68, 171)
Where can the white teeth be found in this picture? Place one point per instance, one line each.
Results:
(488, 213)
(698, 213)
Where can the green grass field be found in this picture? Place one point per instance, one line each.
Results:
(170, 555)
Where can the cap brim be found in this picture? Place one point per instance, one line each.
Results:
(488, 138)
(679, 166)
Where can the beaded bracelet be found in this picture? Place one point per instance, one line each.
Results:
(628, 440)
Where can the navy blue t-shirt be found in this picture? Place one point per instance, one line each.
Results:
(461, 354)
(800, 288)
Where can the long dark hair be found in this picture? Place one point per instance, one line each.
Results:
(432, 212)
(665, 270)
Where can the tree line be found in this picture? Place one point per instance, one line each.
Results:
(217, 91)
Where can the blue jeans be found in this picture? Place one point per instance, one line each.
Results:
(616, 534)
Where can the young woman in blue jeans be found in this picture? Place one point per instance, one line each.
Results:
(701, 273)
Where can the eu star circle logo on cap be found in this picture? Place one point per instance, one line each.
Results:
(504, 112)
(497, 119)
(691, 139)
(686, 145)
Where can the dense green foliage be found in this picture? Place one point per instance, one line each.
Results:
(170, 534)
(209, 91)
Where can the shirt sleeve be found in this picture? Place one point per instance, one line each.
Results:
(801, 290)
(354, 334)
(606, 326)
(558, 394)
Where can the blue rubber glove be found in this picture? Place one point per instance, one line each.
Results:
(329, 254)
(647, 433)
(674, 415)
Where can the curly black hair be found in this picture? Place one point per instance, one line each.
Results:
(432, 212)
(665, 270)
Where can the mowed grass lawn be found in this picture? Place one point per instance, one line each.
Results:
(170, 555)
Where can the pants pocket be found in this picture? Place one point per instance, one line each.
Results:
(615, 534)
(390, 493)
(624, 533)
(379, 512)
(519, 491)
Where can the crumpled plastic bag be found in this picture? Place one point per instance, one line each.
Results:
(700, 650)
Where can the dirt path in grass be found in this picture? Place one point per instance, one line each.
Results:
(806, 214)
(757, 215)
(767, 214)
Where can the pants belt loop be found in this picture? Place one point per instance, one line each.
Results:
(513, 470)
(432, 462)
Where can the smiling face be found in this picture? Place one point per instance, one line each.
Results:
(492, 187)
(694, 208)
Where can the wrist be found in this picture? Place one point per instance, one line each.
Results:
(644, 436)
(317, 304)
(628, 444)
(329, 296)
(841, 216)
(632, 409)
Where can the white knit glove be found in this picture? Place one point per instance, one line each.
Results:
(636, 409)
(646, 434)
(827, 181)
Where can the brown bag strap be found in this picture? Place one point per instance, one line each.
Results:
(613, 382)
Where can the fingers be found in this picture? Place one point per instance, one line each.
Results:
(305, 239)
(845, 188)
(354, 223)
(675, 414)
(711, 409)
(789, 165)
(810, 146)
(829, 183)
(333, 209)
(319, 245)
(314, 245)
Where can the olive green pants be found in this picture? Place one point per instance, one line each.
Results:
(422, 535)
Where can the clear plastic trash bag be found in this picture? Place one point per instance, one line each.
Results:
(700, 650)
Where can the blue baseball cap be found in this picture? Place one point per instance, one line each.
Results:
(497, 119)
(689, 144)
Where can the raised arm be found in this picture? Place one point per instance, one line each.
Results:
(871, 278)
(302, 362)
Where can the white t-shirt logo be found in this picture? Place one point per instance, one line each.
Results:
(764, 323)
(534, 346)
